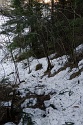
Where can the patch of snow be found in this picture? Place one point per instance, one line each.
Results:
(6, 103)
(79, 48)
(9, 123)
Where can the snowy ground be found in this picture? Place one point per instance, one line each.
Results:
(67, 97)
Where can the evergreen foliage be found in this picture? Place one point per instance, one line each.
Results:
(51, 28)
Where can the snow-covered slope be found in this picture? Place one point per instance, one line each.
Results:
(65, 105)
(66, 97)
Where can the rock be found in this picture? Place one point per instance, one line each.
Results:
(38, 67)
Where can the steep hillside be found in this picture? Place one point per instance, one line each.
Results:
(54, 97)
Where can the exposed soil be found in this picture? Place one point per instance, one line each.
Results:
(7, 95)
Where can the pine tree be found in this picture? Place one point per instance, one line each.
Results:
(30, 16)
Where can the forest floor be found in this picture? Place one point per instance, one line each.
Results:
(45, 98)
(53, 98)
